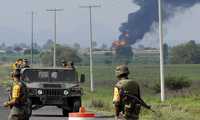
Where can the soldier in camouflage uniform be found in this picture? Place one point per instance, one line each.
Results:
(17, 64)
(68, 65)
(25, 64)
(17, 103)
(126, 100)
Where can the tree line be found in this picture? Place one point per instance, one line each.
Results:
(187, 53)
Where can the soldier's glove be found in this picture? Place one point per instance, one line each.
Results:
(6, 104)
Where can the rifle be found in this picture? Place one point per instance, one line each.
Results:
(138, 100)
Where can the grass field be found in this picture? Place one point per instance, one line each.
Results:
(183, 105)
(144, 72)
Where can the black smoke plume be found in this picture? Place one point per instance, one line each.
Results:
(140, 22)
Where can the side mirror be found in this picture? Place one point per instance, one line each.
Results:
(82, 78)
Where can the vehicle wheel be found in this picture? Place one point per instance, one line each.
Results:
(76, 106)
(65, 112)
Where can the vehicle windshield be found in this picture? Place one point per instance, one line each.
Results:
(49, 75)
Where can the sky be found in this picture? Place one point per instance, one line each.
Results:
(73, 22)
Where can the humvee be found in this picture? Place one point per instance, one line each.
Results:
(53, 87)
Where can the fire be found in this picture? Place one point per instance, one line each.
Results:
(119, 43)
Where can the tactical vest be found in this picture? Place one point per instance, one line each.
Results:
(131, 106)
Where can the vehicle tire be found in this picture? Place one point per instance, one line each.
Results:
(65, 112)
(77, 105)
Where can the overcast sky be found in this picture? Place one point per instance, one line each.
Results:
(73, 22)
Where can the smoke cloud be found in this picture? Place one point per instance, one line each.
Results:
(140, 22)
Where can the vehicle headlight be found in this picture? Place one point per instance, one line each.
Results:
(65, 92)
(40, 92)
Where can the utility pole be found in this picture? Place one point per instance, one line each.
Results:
(162, 81)
(55, 34)
(32, 30)
(91, 45)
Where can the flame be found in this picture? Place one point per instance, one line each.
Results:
(119, 43)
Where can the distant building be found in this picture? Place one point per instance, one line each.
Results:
(2, 51)
(95, 51)
(146, 51)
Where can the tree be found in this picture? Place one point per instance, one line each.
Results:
(166, 53)
(76, 46)
(48, 44)
(62, 53)
(188, 53)
(28, 51)
(124, 54)
(104, 46)
(94, 44)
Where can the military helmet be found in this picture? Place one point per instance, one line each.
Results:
(121, 69)
(25, 60)
(18, 60)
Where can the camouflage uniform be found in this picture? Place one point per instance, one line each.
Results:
(17, 64)
(25, 64)
(128, 108)
(68, 65)
(17, 103)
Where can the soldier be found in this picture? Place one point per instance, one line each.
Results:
(17, 103)
(25, 64)
(17, 64)
(64, 63)
(127, 100)
(69, 64)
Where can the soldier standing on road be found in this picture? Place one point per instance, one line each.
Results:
(126, 100)
(17, 103)
(25, 64)
(17, 64)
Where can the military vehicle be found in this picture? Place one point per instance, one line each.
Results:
(53, 87)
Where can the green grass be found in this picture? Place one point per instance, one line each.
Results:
(4, 75)
(176, 107)
(144, 72)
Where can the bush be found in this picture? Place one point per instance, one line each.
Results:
(156, 87)
(177, 82)
(173, 83)
(62, 53)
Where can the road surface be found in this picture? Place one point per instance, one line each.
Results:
(45, 113)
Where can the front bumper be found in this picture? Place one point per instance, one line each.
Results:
(52, 96)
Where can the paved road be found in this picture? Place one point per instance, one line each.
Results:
(45, 113)
(48, 113)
